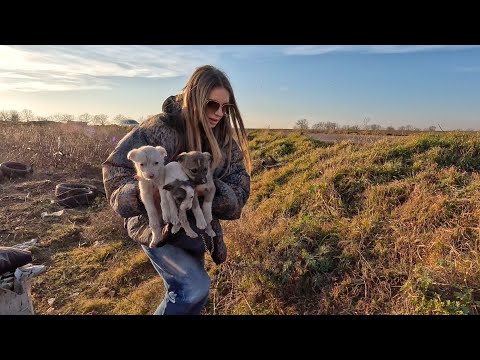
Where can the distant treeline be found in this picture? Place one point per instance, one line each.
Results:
(27, 115)
(328, 126)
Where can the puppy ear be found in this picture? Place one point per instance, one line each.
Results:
(168, 187)
(162, 150)
(132, 154)
(207, 156)
(181, 157)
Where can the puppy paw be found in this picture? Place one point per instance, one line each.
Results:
(174, 219)
(201, 224)
(175, 229)
(191, 233)
(210, 232)
(155, 240)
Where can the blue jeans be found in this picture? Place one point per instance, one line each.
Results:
(186, 281)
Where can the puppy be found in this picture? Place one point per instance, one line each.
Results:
(149, 162)
(197, 166)
(176, 197)
(182, 194)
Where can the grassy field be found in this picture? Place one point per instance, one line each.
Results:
(389, 227)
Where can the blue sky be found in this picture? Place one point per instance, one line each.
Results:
(275, 85)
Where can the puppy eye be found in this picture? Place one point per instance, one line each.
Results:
(141, 164)
(156, 162)
(194, 171)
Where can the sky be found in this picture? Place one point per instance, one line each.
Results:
(274, 85)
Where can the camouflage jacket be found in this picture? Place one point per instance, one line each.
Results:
(165, 129)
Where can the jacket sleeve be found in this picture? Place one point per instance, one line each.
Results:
(233, 189)
(121, 188)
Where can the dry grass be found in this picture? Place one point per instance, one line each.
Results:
(385, 228)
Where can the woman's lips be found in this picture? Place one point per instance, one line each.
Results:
(213, 121)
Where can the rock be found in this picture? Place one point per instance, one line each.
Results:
(103, 290)
(51, 301)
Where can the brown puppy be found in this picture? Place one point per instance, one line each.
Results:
(182, 194)
(197, 166)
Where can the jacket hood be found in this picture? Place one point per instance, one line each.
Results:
(171, 105)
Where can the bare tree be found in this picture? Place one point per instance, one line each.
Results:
(119, 118)
(100, 119)
(59, 117)
(351, 127)
(67, 117)
(366, 120)
(14, 116)
(4, 115)
(375, 127)
(27, 115)
(85, 117)
(301, 124)
(331, 126)
(320, 126)
(56, 117)
(432, 128)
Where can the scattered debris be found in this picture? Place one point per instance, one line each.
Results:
(56, 213)
(26, 245)
(270, 162)
(18, 300)
(103, 290)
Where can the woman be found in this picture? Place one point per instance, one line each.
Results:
(203, 117)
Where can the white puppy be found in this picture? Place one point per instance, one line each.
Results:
(149, 162)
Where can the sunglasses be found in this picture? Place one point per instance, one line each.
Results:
(213, 106)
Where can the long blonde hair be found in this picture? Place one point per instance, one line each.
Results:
(193, 99)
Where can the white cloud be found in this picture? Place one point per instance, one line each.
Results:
(62, 68)
(88, 67)
(377, 49)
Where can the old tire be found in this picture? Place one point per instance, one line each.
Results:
(14, 169)
(72, 195)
